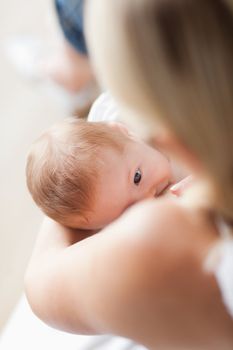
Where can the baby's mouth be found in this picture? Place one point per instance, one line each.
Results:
(163, 188)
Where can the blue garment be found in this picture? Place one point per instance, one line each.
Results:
(70, 15)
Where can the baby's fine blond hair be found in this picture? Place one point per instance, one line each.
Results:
(64, 164)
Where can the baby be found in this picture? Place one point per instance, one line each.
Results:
(84, 175)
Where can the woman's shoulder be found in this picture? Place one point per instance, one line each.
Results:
(165, 220)
(165, 231)
(156, 251)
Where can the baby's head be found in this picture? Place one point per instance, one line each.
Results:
(64, 165)
(84, 175)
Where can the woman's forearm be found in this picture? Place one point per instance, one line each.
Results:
(47, 269)
(88, 286)
(135, 272)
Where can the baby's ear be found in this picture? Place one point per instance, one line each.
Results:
(120, 127)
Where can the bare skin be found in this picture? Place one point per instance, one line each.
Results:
(68, 68)
(142, 277)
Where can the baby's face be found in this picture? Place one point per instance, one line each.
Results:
(138, 173)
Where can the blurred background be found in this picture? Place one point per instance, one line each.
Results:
(29, 104)
(26, 109)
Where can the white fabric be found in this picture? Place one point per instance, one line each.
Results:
(224, 268)
(104, 109)
(25, 331)
(224, 275)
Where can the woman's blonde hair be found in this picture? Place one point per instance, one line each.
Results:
(173, 59)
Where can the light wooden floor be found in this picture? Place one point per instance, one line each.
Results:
(25, 110)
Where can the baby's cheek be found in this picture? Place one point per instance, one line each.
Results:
(166, 166)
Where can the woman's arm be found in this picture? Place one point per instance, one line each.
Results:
(141, 277)
(71, 280)
(46, 270)
(82, 284)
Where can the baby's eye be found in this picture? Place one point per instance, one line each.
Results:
(137, 176)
